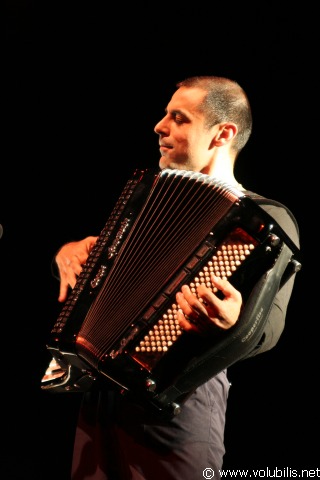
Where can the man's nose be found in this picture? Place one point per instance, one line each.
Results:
(160, 127)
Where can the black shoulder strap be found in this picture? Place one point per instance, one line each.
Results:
(261, 200)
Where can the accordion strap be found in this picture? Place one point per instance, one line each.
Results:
(261, 200)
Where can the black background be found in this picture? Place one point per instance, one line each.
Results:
(84, 85)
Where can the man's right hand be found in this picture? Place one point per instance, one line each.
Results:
(69, 260)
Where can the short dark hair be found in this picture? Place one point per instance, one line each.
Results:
(226, 101)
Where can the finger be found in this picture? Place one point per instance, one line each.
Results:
(185, 323)
(75, 265)
(224, 286)
(183, 303)
(192, 301)
(68, 278)
(63, 293)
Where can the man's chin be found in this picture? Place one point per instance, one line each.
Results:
(166, 163)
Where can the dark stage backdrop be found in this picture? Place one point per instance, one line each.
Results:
(84, 87)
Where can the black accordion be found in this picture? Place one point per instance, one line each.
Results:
(167, 229)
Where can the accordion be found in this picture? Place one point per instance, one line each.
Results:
(167, 229)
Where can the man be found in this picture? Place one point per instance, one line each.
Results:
(207, 123)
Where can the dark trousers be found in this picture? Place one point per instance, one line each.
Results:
(117, 440)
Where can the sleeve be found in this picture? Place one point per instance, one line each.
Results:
(276, 319)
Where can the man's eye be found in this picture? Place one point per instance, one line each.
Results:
(179, 119)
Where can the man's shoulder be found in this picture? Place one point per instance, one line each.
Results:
(279, 212)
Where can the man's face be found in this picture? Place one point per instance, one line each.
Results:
(183, 138)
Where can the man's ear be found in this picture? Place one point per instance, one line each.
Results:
(227, 131)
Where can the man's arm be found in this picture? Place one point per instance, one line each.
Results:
(276, 319)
